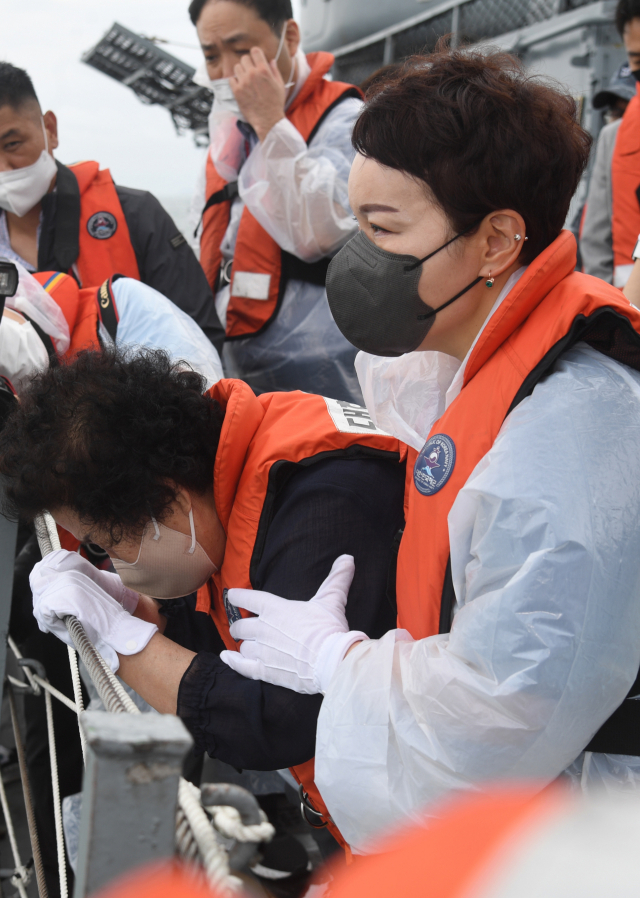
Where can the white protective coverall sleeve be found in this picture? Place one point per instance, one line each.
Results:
(298, 193)
(545, 642)
(147, 318)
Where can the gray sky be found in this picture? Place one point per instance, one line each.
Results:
(99, 118)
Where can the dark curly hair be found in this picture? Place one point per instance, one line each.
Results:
(109, 435)
(483, 135)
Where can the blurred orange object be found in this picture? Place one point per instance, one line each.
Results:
(458, 852)
(165, 879)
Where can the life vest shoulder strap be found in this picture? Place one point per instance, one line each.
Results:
(107, 308)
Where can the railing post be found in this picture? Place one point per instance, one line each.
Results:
(129, 794)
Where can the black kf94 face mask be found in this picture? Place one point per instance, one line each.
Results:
(373, 297)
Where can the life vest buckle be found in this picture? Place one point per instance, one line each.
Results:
(307, 808)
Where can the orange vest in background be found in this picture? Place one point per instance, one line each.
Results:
(625, 181)
(260, 434)
(256, 252)
(99, 257)
(550, 309)
(79, 307)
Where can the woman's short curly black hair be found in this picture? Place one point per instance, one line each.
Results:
(110, 435)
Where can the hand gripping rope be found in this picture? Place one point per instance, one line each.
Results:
(234, 814)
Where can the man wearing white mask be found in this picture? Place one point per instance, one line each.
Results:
(75, 219)
(273, 200)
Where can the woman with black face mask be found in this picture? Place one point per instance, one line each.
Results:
(515, 381)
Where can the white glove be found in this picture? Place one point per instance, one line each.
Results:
(62, 560)
(62, 585)
(295, 644)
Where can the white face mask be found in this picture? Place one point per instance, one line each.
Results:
(223, 97)
(22, 188)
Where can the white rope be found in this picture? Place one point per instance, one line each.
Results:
(57, 807)
(21, 877)
(46, 686)
(77, 694)
(227, 821)
(194, 831)
(215, 859)
(28, 801)
(29, 674)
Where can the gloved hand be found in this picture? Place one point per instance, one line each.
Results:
(62, 560)
(295, 644)
(62, 586)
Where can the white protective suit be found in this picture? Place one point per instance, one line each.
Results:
(298, 193)
(146, 318)
(149, 319)
(545, 642)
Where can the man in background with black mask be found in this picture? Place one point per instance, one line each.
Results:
(612, 218)
(74, 219)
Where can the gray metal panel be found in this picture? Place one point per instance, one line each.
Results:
(129, 794)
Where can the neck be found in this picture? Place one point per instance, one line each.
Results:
(23, 234)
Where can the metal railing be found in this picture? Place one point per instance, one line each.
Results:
(467, 21)
(108, 748)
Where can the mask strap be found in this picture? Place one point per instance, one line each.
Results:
(157, 533)
(433, 312)
(44, 132)
(289, 83)
(192, 548)
(414, 265)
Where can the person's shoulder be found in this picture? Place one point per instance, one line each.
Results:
(586, 385)
(135, 196)
(608, 134)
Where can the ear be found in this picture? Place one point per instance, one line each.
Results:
(51, 126)
(183, 499)
(502, 235)
(292, 37)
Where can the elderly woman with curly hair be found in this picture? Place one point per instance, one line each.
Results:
(191, 492)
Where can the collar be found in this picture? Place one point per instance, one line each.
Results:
(243, 414)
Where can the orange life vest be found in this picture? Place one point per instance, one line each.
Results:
(79, 307)
(104, 241)
(255, 300)
(259, 435)
(625, 181)
(549, 309)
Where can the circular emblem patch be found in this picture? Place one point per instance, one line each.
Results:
(434, 465)
(102, 225)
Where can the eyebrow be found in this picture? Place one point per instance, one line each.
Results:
(377, 207)
(12, 132)
(226, 41)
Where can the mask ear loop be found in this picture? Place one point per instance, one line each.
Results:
(192, 548)
(157, 529)
(44, 133)
(289, 83)
(414, 265)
